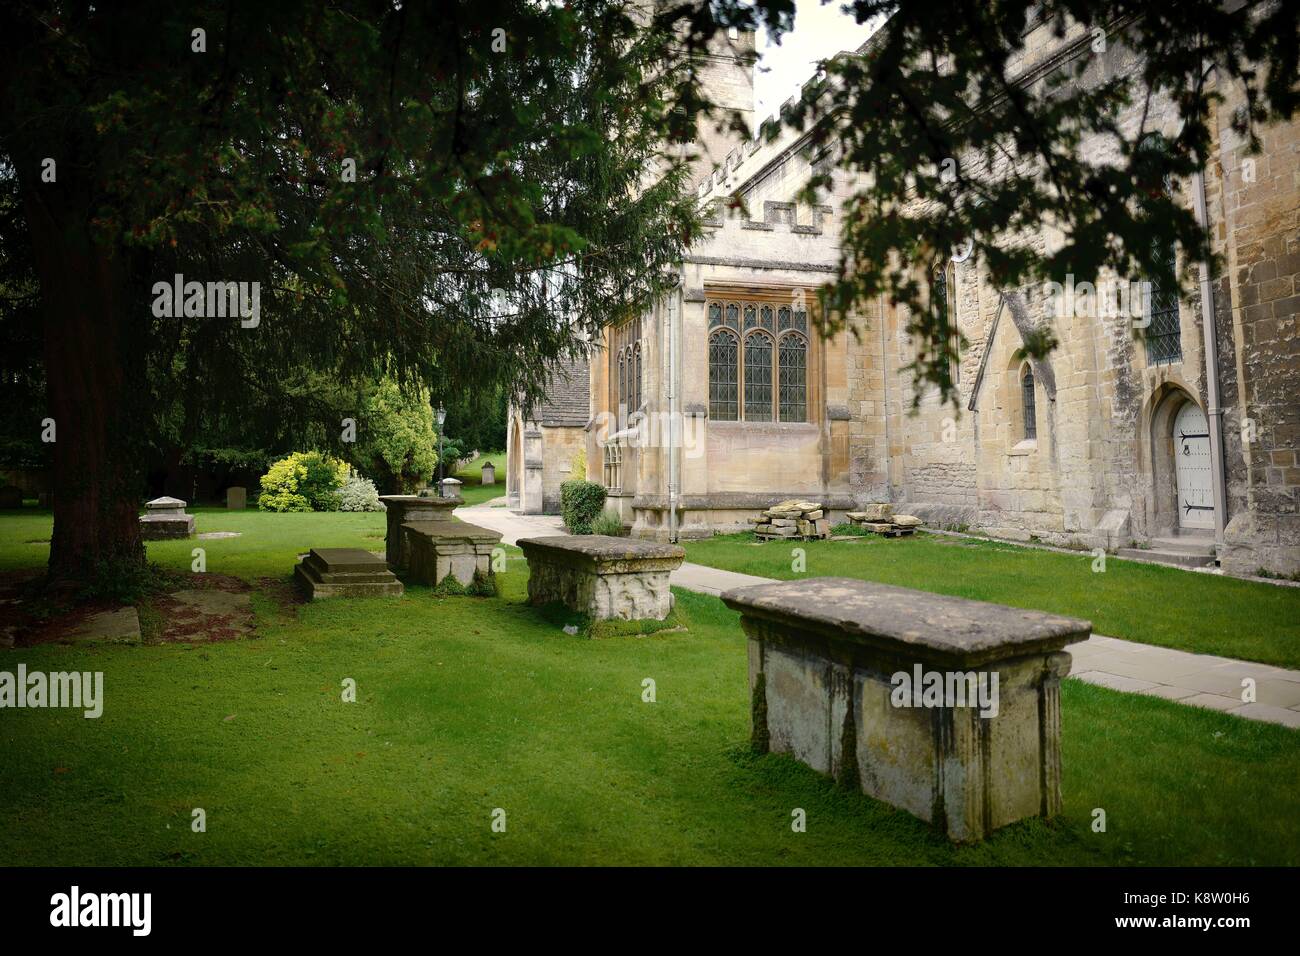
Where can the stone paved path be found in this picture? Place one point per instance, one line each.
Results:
(1201, 680)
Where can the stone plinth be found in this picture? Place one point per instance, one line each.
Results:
(601, 576)
(165, 518)
(345, 572)
(411, 509)
(842, 677)
(236, 498)
(440, 549)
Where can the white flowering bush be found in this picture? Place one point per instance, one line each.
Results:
(359, 494)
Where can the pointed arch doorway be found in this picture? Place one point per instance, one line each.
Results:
(1192, 469)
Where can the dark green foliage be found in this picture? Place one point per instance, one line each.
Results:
(413, 203)
(580, 504)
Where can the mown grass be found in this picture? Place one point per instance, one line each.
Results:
(1171, 607)
(465, 705)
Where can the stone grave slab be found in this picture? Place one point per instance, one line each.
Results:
(107, 627)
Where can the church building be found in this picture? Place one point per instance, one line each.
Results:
(723, 398)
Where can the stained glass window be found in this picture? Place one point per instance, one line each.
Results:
(723, 376)
(758, 377)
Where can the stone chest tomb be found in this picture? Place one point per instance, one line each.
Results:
(944, 707)
(602, 576)
(165, 518)
(425, 539)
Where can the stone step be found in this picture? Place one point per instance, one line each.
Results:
(1181, 559)
(1185, 545)
(345, 572)
(319, 576)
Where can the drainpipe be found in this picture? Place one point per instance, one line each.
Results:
(1214, 413)
(674, 407)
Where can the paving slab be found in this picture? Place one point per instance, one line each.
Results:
(107, 627)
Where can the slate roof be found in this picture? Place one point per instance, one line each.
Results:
(567, 401)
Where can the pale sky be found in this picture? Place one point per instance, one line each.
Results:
(820, 31)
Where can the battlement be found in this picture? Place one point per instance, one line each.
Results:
(777, 217)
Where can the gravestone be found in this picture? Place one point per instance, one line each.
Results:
(236, 498)
(947, 708)
(489, 473)
(165, 518)
(345, 572)
(602, 576)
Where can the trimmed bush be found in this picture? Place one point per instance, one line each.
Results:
(608, 522)
(580, 504)
(359, 494)
(303, 481)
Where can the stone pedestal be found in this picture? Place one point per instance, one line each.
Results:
(236, 498)
(165, 518)
(601, 576)
(947, 708)
(437, 550)
(411, 509)
(345, 572)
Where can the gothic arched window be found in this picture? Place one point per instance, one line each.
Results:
(724, 348)
(758, 377)
(1163, 335)
(636, 377)
(793, 377)
(1027, 403)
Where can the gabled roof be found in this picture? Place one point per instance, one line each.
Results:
(567, 401)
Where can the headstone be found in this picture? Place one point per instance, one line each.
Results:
(165, 518)
(345, 572)
(489, 473)
(11, 496)
(602, 576)
(236, 498)
(449, 488)
(947, 708)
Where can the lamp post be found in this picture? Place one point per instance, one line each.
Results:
(442, 417)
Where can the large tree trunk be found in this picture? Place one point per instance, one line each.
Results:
(95, 382)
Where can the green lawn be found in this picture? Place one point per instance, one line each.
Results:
(468, 704)
(473, 490)
(1198, 612)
